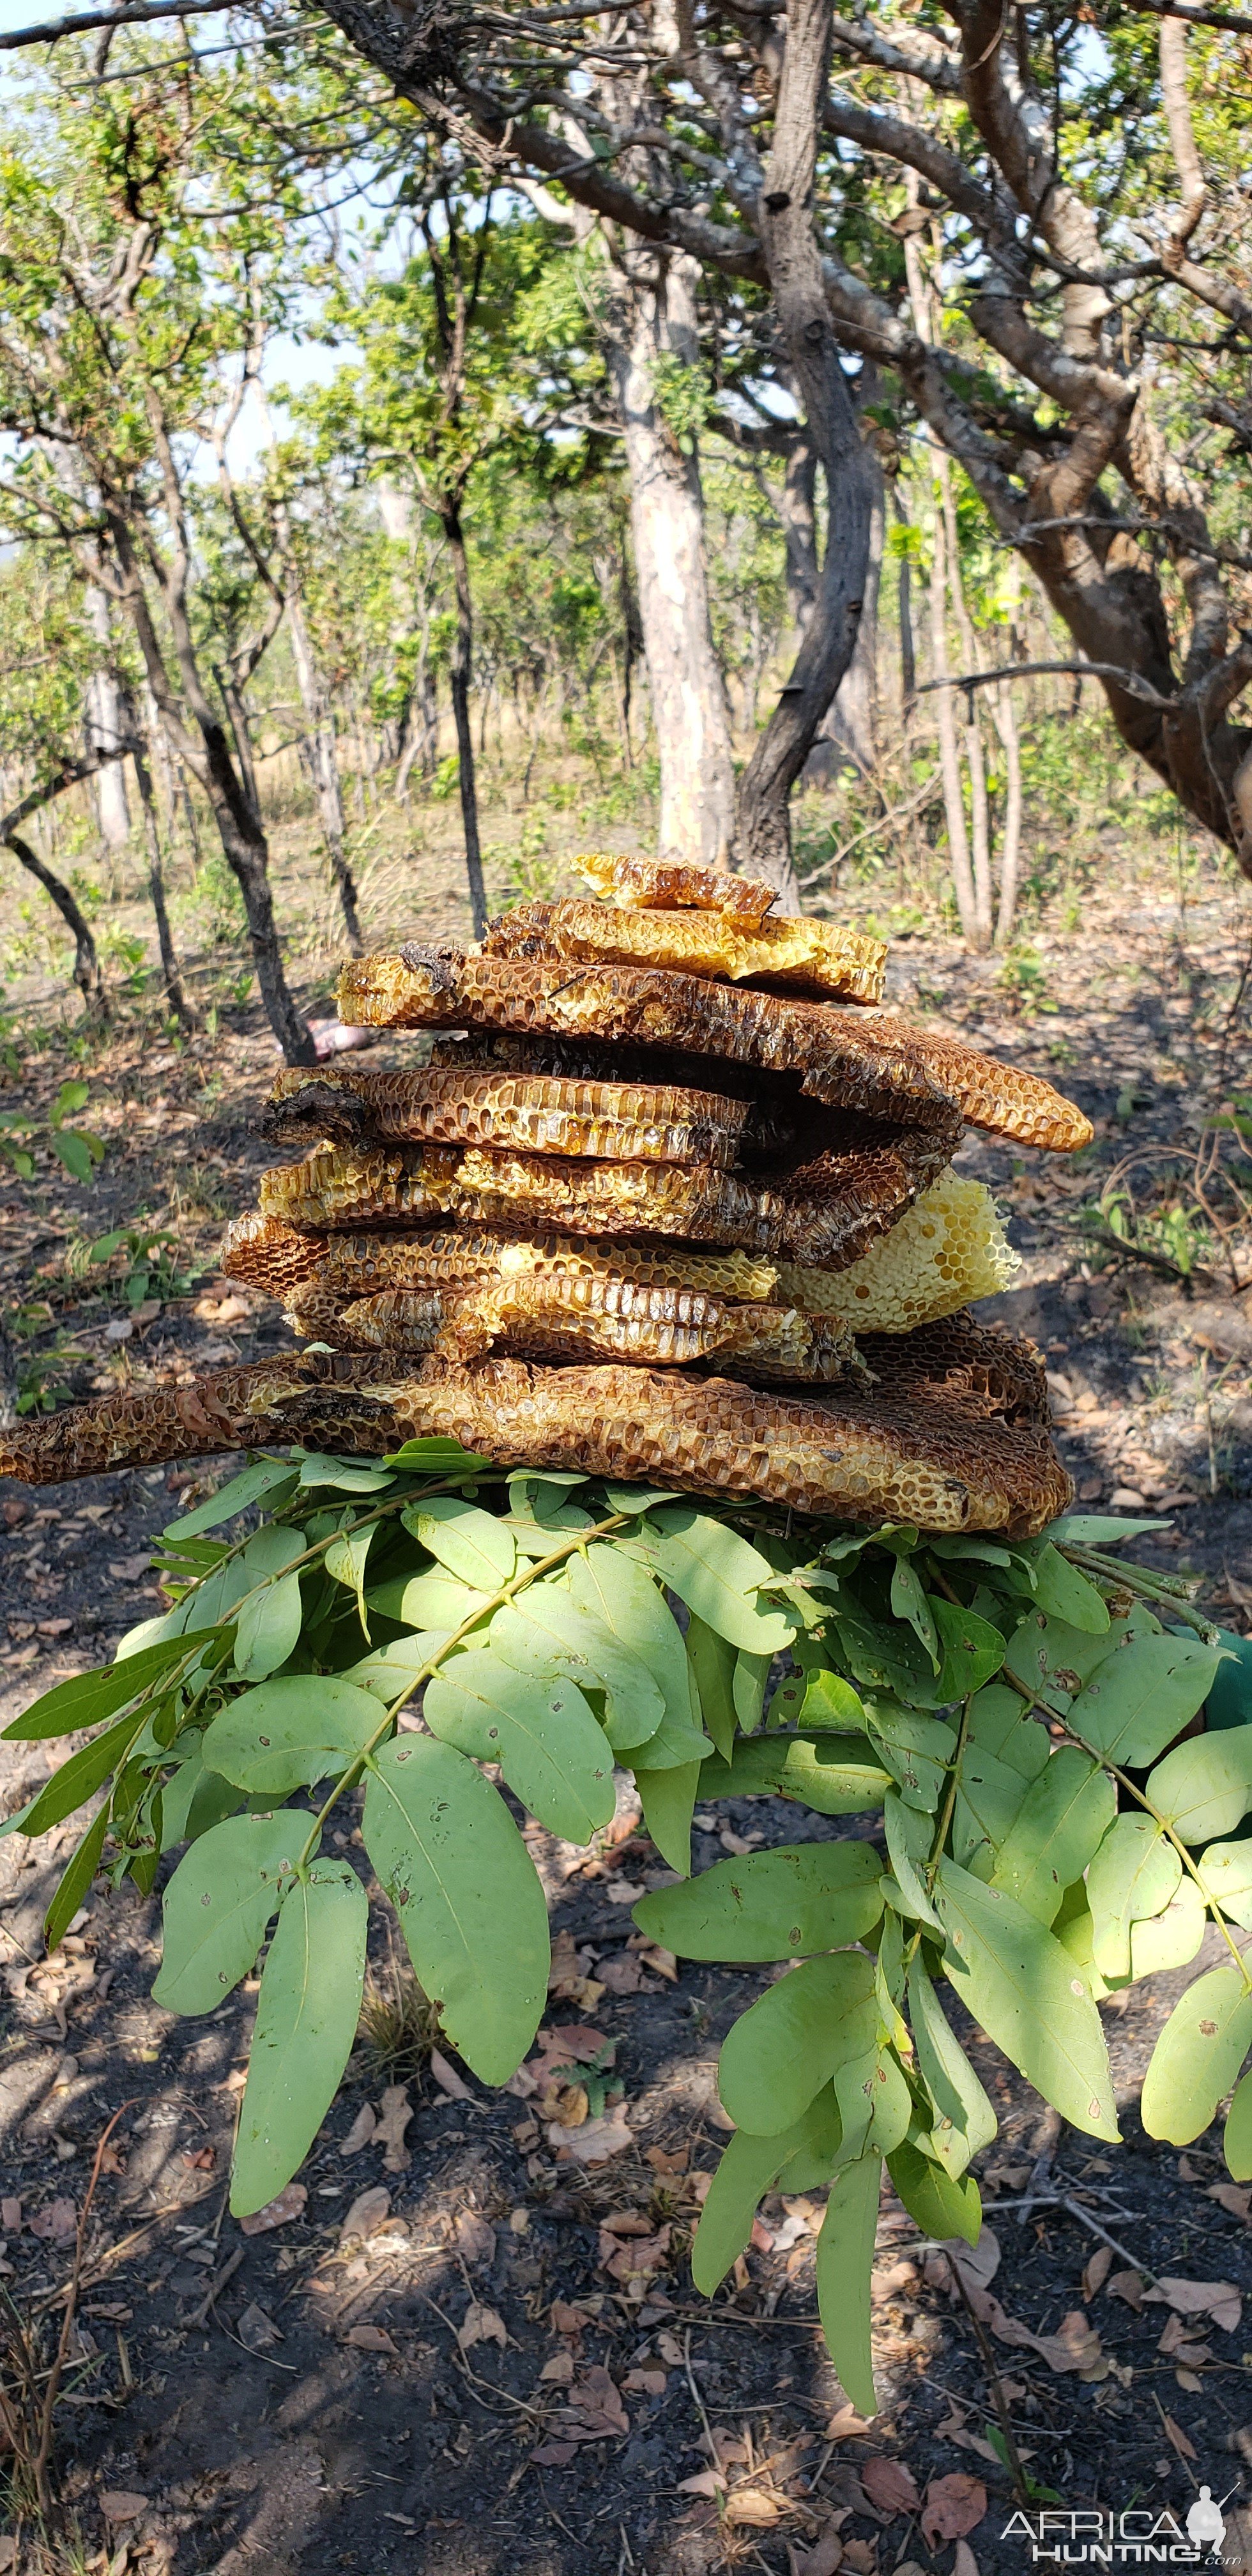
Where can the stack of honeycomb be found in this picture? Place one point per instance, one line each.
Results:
(668, 1158)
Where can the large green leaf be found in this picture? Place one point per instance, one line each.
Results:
(218, 1903)
(875, 2105)
(1064, 1593)
(1169, 1939)
(798, 2159)
(916, 1749)
(1143, 1695)
(845, 2262)
(1197, 2057)
(307, 2015)
(713, 1662)
(554, 1756)
(1023, 1988)
(1134, 1873)
(75, 1880)
(88, 1697)
(718, 1575)
(193, 1799)
(1226, 1870)
(264, 1481)
(428, 1601)
(941, 2205)
(972, 1650)
(473, 1544)
(836, 1775)
(748, 1688)
(78, 1779)
(287, 1733)
(1204, 1787)
(964, 2120)
(1060, 1824)
(345, 1561)
(268, 1625)
(999, 1725)
(909, 1836)
(668, 1800)
(1054, 1661)
(780, 2053)
(545, 1632)
(613, 1588)
(988, 1802)
(470, 1904)
(1237, 2136)
(780, 1904)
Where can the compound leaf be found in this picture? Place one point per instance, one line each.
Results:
(218, 1904)
(845, 2261)
(307, 2015)
(788, 2044)
(287, 1733)
(718, 1575)
(798, 1899)
(1059, 1825)
(1134, 1873)
(472, 1543)
(1023, 1988)
(469, 1901)
(542, 1733)
(1204, 1786)
(1197, 2057)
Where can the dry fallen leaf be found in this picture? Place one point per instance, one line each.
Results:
(560, 2370)
(890, 2486)
(706, 2482)
(1219, 2300)
(568, 2319)
(1232, 2196)
(119, 2504)
(57, 2224)
(1176, 2437)
(367, 2212)
(370, 2339)
(394, 2114)
(964, 2562)
(256, 2330)
(753, 2506)
(360, 2133)
(846, 2425)
(594, 2142)
(476, 2238)
(954, 2506)
(1128, 2286)
(277, 2213)
(447, 2079)
(825, 2558)
(663, 1963)
(595, 2406)
(624, 1976)
(8, 2552)
(481, 2324)
(1097, 2271)
(670, 2350)
(646, 2383)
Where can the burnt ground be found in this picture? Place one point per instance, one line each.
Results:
(308, 2398)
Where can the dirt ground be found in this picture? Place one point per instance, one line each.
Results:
(495, 2365)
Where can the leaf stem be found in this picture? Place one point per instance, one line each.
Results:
(526, 1574)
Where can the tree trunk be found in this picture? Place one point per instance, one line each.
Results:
(799, 525)
(652, 316)
(237, 718)
(171, 971)
(847, 728)
(460, 669)
(1005, 714)
(87, 974)
(106, 724)
(945, 719)
(323, 765)
(242, 834)
(980, 816)
(785, 218)
(908, 650)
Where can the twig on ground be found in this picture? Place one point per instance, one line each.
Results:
(200, 2316)
(57, 2372)
(995, 2383)
(1049, 2138)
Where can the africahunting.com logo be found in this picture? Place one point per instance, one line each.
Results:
(1142, 2536)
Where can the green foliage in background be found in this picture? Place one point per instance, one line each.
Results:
(432, 1631)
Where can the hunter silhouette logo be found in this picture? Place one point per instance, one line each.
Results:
(1138, 2536)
